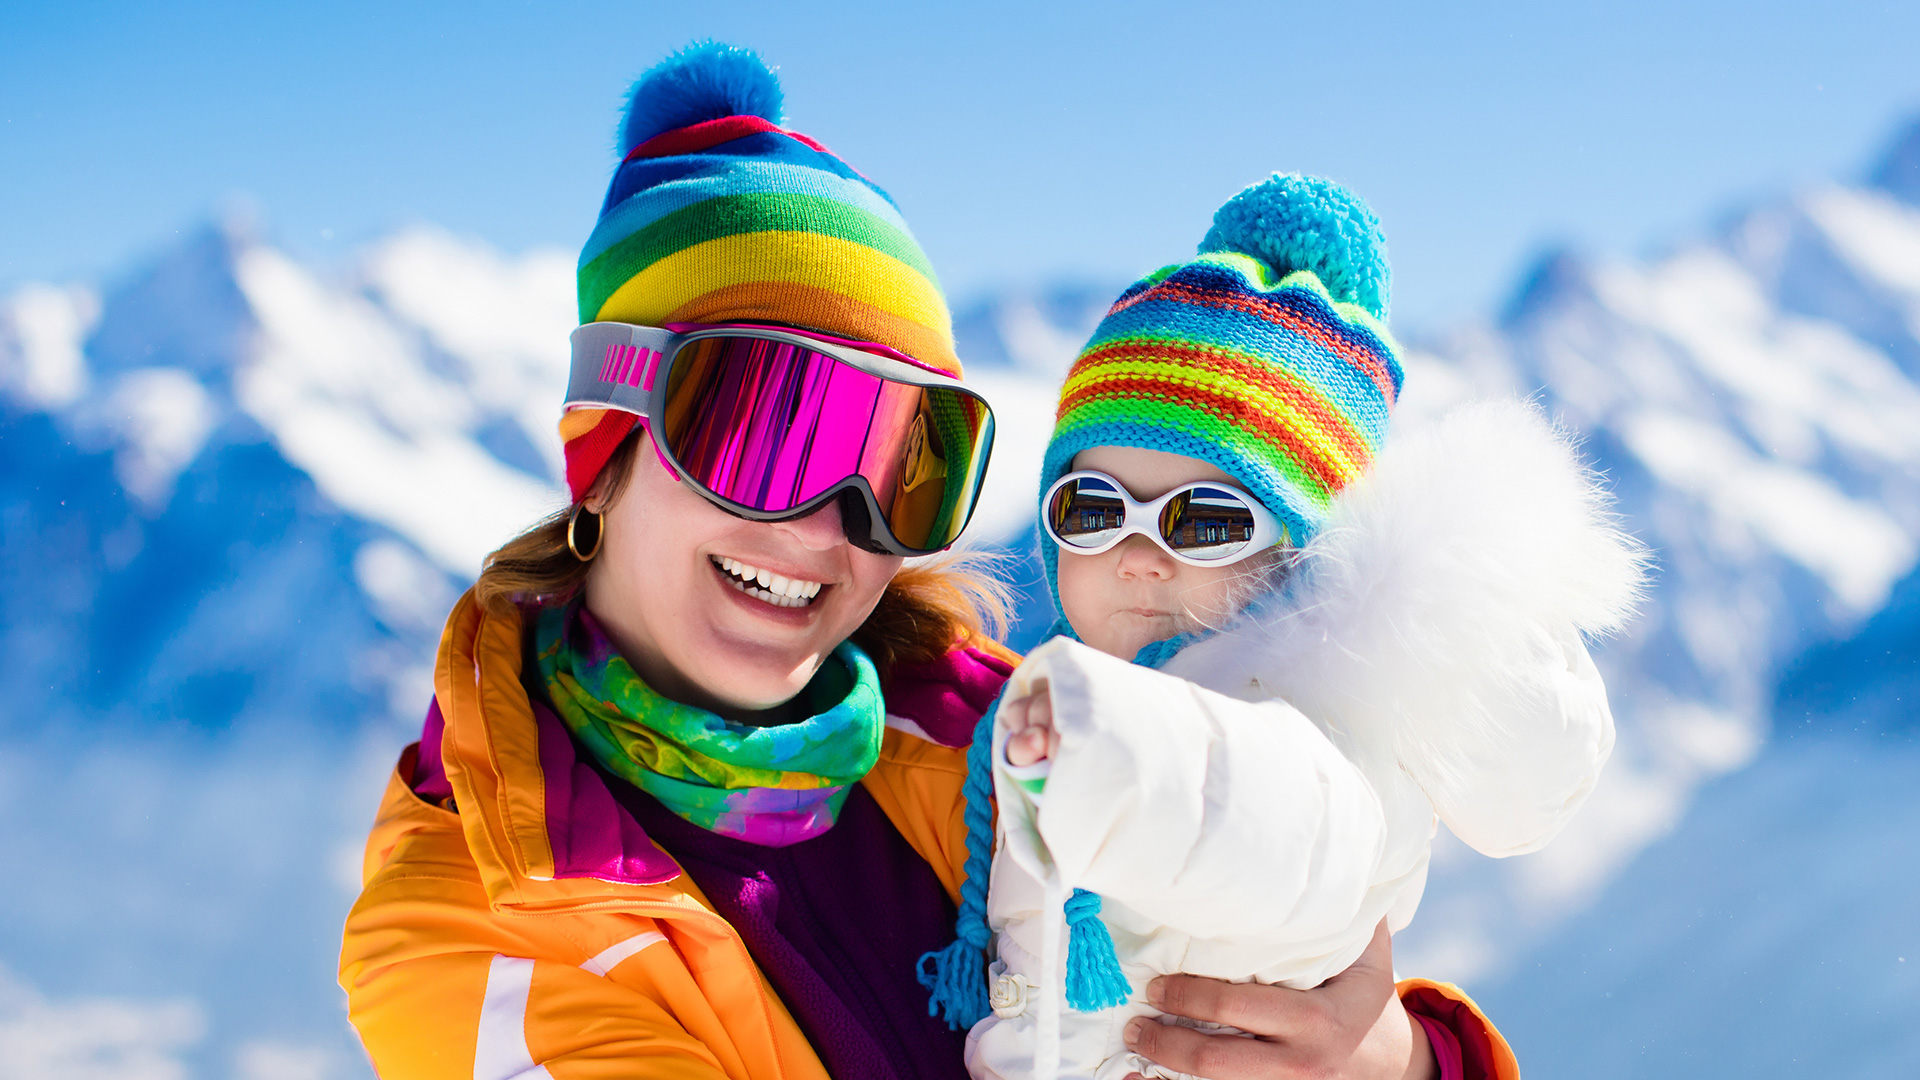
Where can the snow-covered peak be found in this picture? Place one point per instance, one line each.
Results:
(1035, 332)
(43, 332)
(156, 421)
(180, 309)
(1557, 278)
(348, 396)
(499, 324)
(474, 302)
(1877, 235)
(419, 393)
(1898, 172)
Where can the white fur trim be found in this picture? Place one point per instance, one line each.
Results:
(1437, 623)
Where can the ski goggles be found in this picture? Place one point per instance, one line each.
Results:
(1201, 524)
(772, 424)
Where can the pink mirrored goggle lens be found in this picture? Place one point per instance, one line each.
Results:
(771, 425)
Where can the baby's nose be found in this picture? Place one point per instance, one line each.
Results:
(1142, 558)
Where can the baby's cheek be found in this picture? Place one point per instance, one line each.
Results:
(1083, 598)
(1215, 595)
(1210, 601)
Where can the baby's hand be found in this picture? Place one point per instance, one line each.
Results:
(1029, 721)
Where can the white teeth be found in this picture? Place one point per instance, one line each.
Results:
(768, 586)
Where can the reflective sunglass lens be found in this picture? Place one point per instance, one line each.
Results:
(1207, 523)
(1086, 512)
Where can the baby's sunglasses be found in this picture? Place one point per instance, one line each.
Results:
(1200, 524)
(771, 424)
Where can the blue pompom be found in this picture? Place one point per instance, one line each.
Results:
(704, 81)
(1294, 222)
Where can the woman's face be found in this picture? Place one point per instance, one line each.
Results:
(669, 584)
(1134, 593)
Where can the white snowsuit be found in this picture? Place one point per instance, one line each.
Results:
(1256, 808)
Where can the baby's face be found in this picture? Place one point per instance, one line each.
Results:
(1134, 593)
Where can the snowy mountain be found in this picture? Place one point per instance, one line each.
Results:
(238, 495)
(1753, 397)
(212, 623)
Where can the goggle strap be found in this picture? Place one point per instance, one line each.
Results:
(615, 365)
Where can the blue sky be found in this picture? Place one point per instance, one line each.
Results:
(1025, 141)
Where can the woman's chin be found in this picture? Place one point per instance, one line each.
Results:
(747, 669)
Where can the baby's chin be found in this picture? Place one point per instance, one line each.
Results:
(1125, 633)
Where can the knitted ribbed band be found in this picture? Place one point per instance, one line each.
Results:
(717, 214)
(1244, 358)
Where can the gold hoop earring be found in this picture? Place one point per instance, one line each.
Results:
(599, 529)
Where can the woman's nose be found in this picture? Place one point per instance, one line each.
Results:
(1142, 558)
(819, 530)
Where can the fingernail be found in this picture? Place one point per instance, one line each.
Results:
(1153, 993)
(1135, 1027)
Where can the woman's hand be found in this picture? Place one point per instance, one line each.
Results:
(1350, 1027)
(1029, 721)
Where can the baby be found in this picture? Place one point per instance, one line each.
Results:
(1288, 646)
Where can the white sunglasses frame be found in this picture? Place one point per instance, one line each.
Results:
(1267, 529)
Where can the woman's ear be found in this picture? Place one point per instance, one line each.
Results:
(616, 474)
(599, 496)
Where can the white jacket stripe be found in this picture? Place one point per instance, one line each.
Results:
(500, 1052)
(612, 956)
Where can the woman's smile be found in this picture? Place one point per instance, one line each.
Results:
(760, 583)
(790, 598)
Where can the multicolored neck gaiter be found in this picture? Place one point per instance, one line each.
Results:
(767, 785)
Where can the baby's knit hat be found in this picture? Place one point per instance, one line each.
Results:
(1267, 355)
(717, 214)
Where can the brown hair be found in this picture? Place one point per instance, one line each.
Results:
(537, 567)
(927, 607)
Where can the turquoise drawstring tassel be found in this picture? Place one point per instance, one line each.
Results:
(957, 978)
(956, 981)
(1094, 981)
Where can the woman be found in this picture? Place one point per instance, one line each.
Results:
(688, 801)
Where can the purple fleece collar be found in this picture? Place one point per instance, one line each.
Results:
(592, 836)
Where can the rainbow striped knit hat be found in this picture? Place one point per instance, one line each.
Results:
(1267, 355)
(717, 214)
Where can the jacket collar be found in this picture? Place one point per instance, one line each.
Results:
(544, 829)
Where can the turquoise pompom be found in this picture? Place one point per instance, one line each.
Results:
(704, 81)
(1293, 222)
